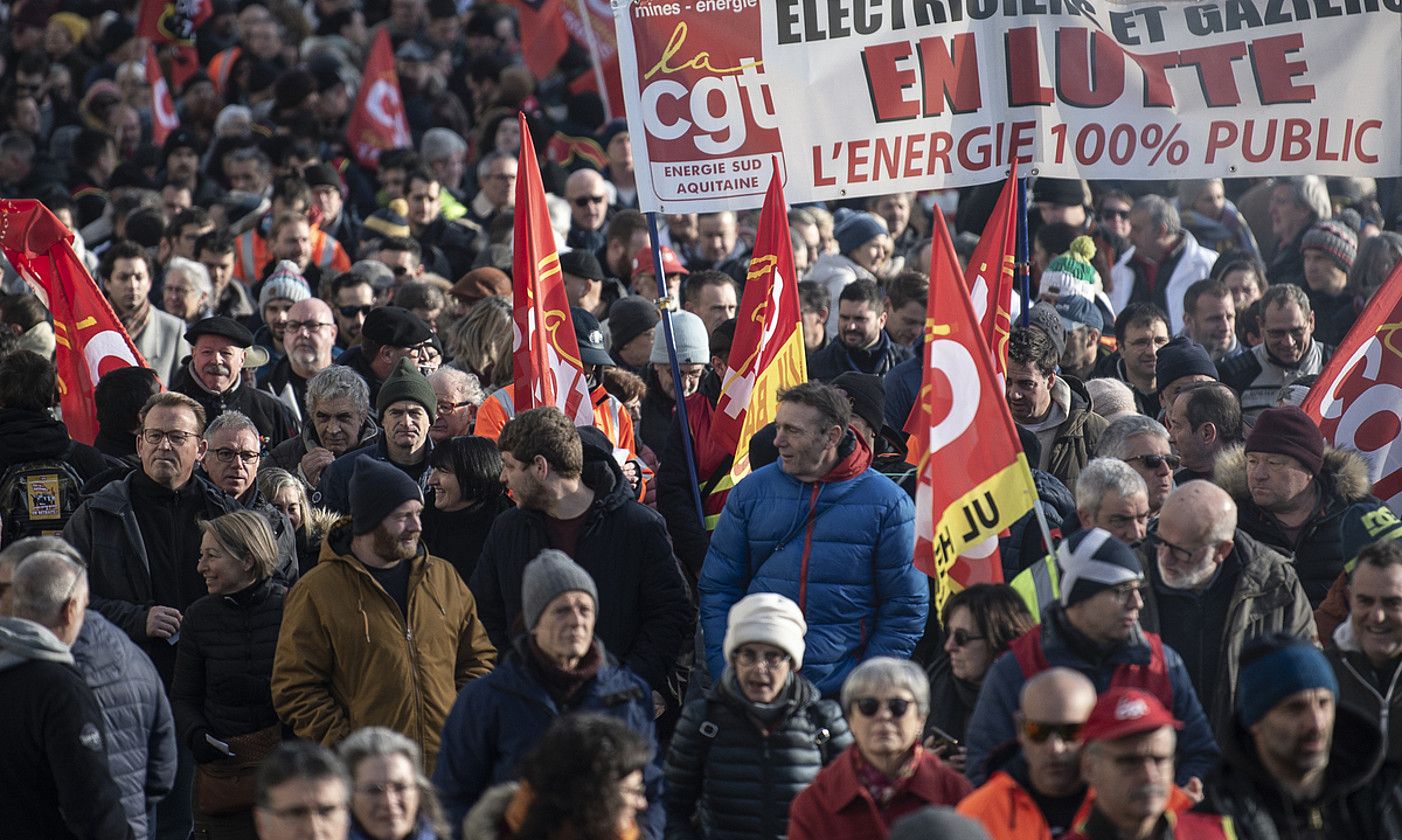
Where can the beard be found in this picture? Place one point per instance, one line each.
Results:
(393, 549)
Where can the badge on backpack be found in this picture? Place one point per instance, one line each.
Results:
(43, 496)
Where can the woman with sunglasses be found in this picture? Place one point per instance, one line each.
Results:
(887, 773)
(760, 736)
(979, 623)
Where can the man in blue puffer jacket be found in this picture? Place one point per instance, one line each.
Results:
(824, 530)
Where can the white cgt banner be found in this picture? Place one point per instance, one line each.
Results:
(863, 97)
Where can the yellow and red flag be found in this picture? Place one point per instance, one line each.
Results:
(164, 119)
(174, 23)
(1355, 401)
(989, 276)
(89, 339)
(766, 356)
(973, 480)
(545, 358)
(378, 122)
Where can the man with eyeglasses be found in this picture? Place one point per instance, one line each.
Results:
(389, 334)
(309, 337)
(588, 196)
(1293, 491)
(557, 666)
(1288, 352)
(1093, 628)
(1211, 588)
(303, 794)
(1141, 331)
(459, 394)
(1164, 261)
(213, 378)
(1144, 445)
(1038, 794)
(232, 457)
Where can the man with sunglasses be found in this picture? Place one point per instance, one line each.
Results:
(1211, 588)
(389, 333)
(1093, 628)
(588, 196)
(1037, 795)
(1143, 443)
(352, 298)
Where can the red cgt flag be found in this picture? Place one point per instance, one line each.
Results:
(1357, 400)
(767, 353)
(378, 122)
(90, 340)
(545, 357)
(172, 21)
(544, 36)
(962, 433)
(989, 276)
(164, 120)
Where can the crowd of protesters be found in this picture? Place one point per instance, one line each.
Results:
(319, 576)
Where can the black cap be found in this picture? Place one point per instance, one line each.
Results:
(867, 394)
(581, 263)
(1044, 317)
(222, 326)
(326, 70)
(395, 326)
(181, 138)
(321, 175)
(590, 338)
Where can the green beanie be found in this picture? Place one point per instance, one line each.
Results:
(405, 382)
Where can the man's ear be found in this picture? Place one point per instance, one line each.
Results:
(835, 434)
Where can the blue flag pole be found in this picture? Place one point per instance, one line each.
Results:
(1024, 268)
(666, 302)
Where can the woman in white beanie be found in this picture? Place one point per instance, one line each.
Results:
(759, 737)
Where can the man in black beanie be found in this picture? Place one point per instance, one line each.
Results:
(1093, 628)
(379, 633)
(1181, 363)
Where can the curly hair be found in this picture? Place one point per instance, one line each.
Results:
(574, 773)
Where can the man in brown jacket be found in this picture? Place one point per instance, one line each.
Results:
(379, 633)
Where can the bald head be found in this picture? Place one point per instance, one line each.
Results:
(585, 192)
(1203, 509)
(310, 335)
(1057, 695)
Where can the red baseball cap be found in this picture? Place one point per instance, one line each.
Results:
(642, 261)
(1121, 712)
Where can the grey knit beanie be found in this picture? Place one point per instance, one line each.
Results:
(551, 574)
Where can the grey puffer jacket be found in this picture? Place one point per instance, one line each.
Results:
(140, 731)
(728, 779)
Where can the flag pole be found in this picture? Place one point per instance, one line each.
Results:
(1024, 268)
(665, 299)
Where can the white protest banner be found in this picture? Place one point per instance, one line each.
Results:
(864, 97)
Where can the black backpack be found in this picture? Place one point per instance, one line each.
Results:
(37, 498)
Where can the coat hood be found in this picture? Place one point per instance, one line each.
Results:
(23, 641)
(484, 820)
(99, 651)
(1345, 474)
(30, 435)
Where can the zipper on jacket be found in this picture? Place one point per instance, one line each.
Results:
(807, 549)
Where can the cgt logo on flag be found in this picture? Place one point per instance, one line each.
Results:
(378, 121)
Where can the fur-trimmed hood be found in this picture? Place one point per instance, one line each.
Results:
(1345, 475)
(484, 820)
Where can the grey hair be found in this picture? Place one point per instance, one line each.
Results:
(887, 672)
(470, 385)
(377, 742)
(1190, 189)
(1114, 441)
(441, 144)
(335, 382)
(490, 158)
(198, 274)
(1282, 294)
(1104, 475)
(18, 551)
(233, 420)
(1110, 397)
(271, 480)
(1310, 191)
(44, 583)
(1161, 213)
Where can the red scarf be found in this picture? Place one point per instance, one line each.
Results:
(885, 788)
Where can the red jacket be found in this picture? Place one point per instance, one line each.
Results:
(837, 807)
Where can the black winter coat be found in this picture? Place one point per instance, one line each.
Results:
(645, 617)
(224, 666)
(273, 418)
(736, 781)
(458, 536)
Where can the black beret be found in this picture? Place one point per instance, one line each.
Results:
(220, 325)
(395, 326)
(581, 263)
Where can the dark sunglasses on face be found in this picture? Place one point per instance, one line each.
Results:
(1107, 214)
(586, 200)
(352, 311)
(1153, 462)
(963, 638)
(1040, 732)
(870, 706)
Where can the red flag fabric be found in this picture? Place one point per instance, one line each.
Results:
(591, 24)
(767, 353)
(545, 357)
(164, 120)
(172, 21)
(378, 122)
(989, 275)
(544, 37)
(89, 339)
(962, 432)
(1357, 400)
